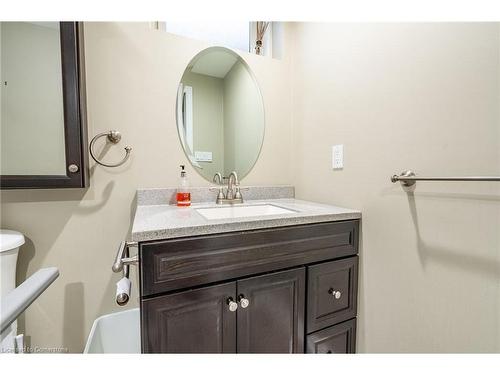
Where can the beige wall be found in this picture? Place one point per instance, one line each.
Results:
(399, 96)
(243, 121)
(132, 79)
(208, 120)
(31, 113)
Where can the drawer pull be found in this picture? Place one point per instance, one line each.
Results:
(233, 306)
(243, 301)
(335, 293)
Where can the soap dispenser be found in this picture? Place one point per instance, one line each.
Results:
(183, 194)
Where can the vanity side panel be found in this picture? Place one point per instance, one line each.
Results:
(186, 262)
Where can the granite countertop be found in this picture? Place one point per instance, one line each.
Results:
(163, 221)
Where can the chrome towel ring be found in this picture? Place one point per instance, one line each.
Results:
(114, 137)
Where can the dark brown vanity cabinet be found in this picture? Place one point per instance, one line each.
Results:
(266, 311)
(281, 290)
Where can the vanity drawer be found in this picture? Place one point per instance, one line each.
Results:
(339, 339)
(186, 262)
(332, 293)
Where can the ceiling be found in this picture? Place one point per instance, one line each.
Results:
(215, 64)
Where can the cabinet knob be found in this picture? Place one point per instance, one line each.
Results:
(73, 168)
(335, 293)
(243, 301)
(233, 306)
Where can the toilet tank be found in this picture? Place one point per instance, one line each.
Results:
(10, 241)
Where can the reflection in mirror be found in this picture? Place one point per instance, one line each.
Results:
(220, 114)
(32, 115)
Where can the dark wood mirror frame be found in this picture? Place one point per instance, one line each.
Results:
(75, 127)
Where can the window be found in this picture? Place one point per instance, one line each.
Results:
(230, 34)
(238, 35)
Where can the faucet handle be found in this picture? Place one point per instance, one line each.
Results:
(220, 195)
(237, 192)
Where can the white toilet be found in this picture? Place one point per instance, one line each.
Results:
(10, 241)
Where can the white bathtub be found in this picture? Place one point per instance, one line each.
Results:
(115, 333)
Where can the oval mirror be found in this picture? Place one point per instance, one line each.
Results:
(220, 114)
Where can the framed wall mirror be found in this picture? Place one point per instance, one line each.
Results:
(220, 114)
(43, 129)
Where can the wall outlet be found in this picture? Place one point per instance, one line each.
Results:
(203, 156)
(338, 156)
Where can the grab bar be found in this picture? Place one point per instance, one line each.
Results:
(16, 301)
(409, 178)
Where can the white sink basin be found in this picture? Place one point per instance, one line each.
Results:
(231, 212)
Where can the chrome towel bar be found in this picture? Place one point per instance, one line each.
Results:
(409, 178)
(122, 259)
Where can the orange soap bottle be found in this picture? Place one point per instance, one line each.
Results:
(183, 194)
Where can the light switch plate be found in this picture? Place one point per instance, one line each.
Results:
(338, 156)
(203, 156)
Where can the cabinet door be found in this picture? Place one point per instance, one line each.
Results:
(195, 321)
(273, 321)
(340, 338)
(50, 114)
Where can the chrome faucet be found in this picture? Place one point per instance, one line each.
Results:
(218, 178)
(231, 183)
(233, 192)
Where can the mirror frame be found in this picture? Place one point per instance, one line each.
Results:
(254, 79)
(75, 127)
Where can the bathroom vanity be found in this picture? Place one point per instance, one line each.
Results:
(244, 269)
(276, 283)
